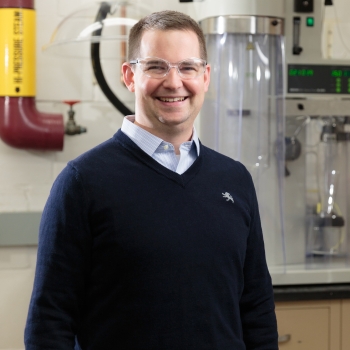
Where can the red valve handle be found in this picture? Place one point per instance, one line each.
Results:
(71, 102)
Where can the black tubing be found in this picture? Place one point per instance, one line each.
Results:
(96, 64)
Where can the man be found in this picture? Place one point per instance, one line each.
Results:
(151, 240)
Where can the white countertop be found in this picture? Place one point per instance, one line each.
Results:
(305, 274)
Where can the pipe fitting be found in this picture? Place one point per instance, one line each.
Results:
(23, 126)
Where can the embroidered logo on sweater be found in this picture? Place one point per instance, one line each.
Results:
(228, 197)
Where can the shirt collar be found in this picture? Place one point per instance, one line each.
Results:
(144, 139)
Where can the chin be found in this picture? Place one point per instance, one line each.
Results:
(173, 120)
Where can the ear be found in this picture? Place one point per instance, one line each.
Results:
(206, 77)
(128, 76)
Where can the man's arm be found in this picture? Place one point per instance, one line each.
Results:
(257, 302)
(62, 266)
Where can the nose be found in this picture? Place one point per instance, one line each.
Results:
(172, 80)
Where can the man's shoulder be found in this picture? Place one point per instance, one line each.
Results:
(104, 153)
(95, 152)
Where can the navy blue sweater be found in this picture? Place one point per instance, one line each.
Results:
(134, 256)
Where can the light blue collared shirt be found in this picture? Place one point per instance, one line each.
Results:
(161, 151)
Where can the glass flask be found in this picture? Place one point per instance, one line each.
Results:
(327, 239)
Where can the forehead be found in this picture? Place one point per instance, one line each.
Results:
(172, 45)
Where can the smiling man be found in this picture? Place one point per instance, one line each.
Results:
(168, 98)
(152, 240)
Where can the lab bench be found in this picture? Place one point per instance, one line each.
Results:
(313, 317)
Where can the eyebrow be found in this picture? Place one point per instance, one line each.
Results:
(156, 61)
(188, 61)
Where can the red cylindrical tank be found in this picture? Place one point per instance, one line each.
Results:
(21, 124)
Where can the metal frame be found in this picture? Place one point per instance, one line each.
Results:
(243, 25)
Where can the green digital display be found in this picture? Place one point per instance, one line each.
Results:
(301, 72)
(338, 73)
(318, 79)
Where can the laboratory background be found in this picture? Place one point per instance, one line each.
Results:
(279, 102)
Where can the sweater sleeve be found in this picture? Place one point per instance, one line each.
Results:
(62, 266)
(257, 302)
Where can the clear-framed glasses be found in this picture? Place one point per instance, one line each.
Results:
(158, 68)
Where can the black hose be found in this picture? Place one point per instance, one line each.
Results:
(96, 64)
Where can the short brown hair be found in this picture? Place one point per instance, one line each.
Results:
(164, 20)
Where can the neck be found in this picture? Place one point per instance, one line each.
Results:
(170, 134)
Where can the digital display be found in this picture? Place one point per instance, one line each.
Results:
(318, 79)
(340, 73)
(301, 72)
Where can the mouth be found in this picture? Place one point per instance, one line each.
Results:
(171, 99)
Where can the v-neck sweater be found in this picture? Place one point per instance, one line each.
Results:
(134, 256)
(162, 151)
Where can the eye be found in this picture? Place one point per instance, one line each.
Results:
(155, 66)
(189, 67)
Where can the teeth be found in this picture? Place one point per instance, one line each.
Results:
(175, 99)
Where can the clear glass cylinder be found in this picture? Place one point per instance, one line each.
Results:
(243, 118)
(327, 238)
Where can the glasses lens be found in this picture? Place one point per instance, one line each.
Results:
(154, 67)
(158, 68)
(191, 68)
